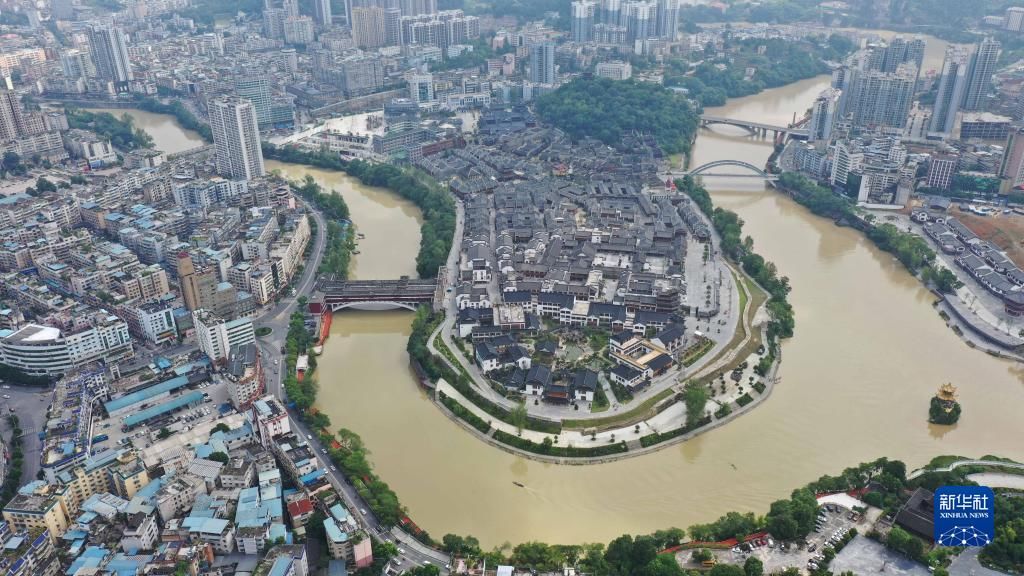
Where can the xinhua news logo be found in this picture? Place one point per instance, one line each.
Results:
(964, 515)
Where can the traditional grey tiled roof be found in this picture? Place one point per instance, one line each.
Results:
(585, 380)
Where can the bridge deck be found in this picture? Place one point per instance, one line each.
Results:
(709, 119)
(406, 289)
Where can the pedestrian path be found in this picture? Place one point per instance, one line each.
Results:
(672, 417)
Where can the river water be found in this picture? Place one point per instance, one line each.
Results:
(168, 135)
(868, 353)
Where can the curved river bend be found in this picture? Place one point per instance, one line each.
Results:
(868, 353)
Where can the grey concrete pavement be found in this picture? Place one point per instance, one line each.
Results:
(30, 405)
(967, 564)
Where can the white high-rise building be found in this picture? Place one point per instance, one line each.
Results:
(611, 13)
(12, 120)
(236, 137)
(368, 26)
(668, 19)
(983, 66)
(216, 336)
(322, 12)
(823, 114)
(641, 20)
(582, 26)
(542, 64)
(845, 159)
(299, 30)
(879, 99)
(76, 64)
(110, 54)
(421, 88)
(417, 7)
(1011, 166)
(1014, 19)
(952, 88)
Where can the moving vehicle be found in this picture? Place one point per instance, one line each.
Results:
(99, 438)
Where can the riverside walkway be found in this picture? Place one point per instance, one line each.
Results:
(954, 465)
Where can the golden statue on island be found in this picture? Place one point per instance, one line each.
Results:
(944, 408)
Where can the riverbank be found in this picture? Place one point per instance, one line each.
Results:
(436, 204)
(914, 252)
(476, 424)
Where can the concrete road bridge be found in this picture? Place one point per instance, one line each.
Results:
(757, 128)
(406, 293)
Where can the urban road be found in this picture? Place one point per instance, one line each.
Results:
(276, 318)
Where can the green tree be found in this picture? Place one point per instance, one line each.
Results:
(696, 398)
(626, 555)
(44, 185)
(937, 413)
(753, 567)
(905, 543)
(388, 549)
(664, 565)
(164, 433)
(944, 279)
(220, 427)
(461, 546)
(537, 555)
(608, 110)
(219, 457)
(11, 161)
(518, 417)
(702, 555)
(790, 519)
